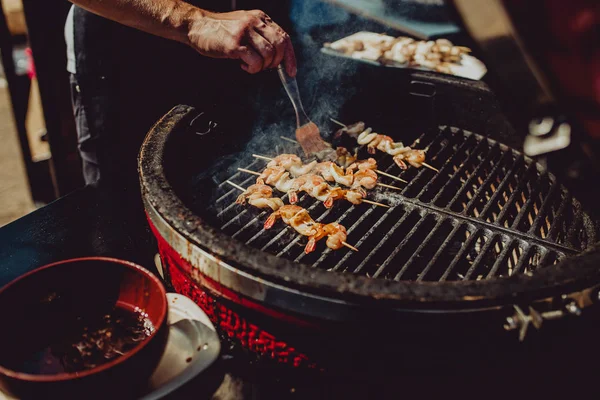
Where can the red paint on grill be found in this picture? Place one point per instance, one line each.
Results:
(229, 322)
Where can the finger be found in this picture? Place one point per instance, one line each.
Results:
(277, 37)
(252, 60)
(289, 58)
(262, 47)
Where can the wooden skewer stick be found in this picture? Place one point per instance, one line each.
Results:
(390, 176)
(338, 122)
(249, 171)
(375, 203)
(243, 190)
(389, 186)
(288, 139)
(235, 185)
(262, 157)
(349, 246)
(415, 142)
(258, 174)
(430, 167)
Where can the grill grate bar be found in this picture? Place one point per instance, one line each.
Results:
(502, 187)
(513, 197)
(229, 193)
(450, 161)
(389, 259)
(447, 242)
(468, 185)
(502, 258)
(542, 213)
(253, 221)
(487, 182)
(460, 170)
(381, 243)
(340, 219)
(420, 172)
(523, 259)
(299, 237)
(560, 216)
(362, 240)
(274, 239)
(419, 249)
(528, 204)
(349, 253)
(491, 241)
(460, 254)
(231, 178)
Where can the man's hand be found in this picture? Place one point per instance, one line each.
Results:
(250, 36)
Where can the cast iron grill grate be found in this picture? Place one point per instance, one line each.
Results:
(488, 213)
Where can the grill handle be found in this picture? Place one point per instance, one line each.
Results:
(422, 98)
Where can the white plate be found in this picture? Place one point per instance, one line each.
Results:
(471, 67)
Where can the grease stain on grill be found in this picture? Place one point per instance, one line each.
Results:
(488, 213)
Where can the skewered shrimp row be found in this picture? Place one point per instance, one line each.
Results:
(375, 141)
(299, 219)
(259, 195)
(364, 177)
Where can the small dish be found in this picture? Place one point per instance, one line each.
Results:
(90, 326)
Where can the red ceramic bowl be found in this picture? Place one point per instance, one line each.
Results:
(34, 309)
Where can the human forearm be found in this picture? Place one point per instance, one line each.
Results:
(170, 19)
(250, 36)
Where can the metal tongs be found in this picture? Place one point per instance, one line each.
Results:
(307, 132)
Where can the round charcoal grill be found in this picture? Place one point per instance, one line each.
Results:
(491, 239)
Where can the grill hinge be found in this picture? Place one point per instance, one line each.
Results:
(565, 305)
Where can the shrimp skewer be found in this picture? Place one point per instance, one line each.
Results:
(296, 217)
(260, 196)
(386, 144)
(316, 186)
(330, 171)
(299, 219)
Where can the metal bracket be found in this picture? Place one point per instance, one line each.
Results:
(546, 135)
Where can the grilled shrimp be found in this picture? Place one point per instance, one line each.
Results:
(366, 178)
(353, 196)
(299, 170)
(352, 130)
(285, 160)
(336, 236)
(294, 216)
(340, 176)
(344, 158)
(366, 137)
(415, 158)
(333, 195)
(255, 191)
(274, 203)
(369, 163)
(323, 169)
(271, 175)
(284, 183)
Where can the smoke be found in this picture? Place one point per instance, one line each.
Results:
(325, 82)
